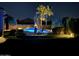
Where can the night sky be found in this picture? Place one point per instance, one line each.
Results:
(28, 10)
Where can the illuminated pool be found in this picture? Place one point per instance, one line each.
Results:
(38, 30)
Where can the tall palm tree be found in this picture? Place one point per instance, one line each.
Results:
(2, 13)
(49, 12)
(8, 19)
(44, 11)
(65, 22)
(1, 19)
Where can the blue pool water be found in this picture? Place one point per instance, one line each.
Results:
(32, 30)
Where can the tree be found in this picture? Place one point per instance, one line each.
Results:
(73, 24)
(2, 13)
(44, 11)
(65, 22)
(49, 12)
(7, 19)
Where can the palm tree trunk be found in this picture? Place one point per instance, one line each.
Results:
(41, 21)
(1, 25)
(41, 24)
(46, 22)
(7, 25)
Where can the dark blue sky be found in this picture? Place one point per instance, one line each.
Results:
(26, 9)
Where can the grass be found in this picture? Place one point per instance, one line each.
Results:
(9, 34)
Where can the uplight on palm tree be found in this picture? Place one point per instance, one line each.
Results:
(41, 10)
(44, 12)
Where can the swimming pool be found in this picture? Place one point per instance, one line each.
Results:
(38, 30)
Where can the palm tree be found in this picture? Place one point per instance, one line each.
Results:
(65, 22)
(8, 20)
(49, 13)
(2, 13)
(44, 11)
